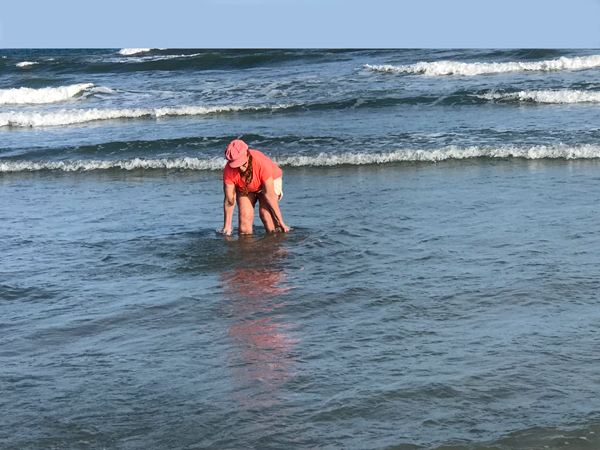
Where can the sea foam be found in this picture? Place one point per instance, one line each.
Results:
(77, 116)
(133, 51)
(443, 154)
(125, 164)
(23, 96)
(26, 63)
(67, 117)
(440, 68)
(147, 59)
(563, 96)
(320, 160)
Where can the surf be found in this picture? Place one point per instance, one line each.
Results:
(539, 152)
(441, 68)
(77, 116)
(29, 96)
(566, 96)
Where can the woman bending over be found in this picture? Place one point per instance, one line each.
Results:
(249, 176)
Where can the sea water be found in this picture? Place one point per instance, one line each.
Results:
(438, 288)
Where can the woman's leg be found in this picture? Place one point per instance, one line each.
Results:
(265, 214)
(264, 211)
(246, 212)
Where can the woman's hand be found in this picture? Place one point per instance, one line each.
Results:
(282, 228)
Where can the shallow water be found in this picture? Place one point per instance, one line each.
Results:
(421, 304)
(438, 289)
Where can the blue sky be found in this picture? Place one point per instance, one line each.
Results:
(301, 23)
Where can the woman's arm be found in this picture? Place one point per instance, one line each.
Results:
(273, 204)
(228, 207)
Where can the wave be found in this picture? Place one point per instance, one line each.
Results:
(133, 51)
(146, 59)
(437, 155)
(158, 59)
(23, 96)
(199, 110)
(319, 160)
(439, 68)
(26, 63)
(564, 96)
(125, 164)
(77, 116)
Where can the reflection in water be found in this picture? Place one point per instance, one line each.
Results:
(262, 361)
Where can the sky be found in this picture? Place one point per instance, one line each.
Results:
(301, 24)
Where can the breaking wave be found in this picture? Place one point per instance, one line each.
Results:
(439, 68)
(133, 51)
(77, 116)
(447, 153)
(564, 96)
(28, 96)
(320, 160)
(149, 59)
(26, 63)
(125, 164)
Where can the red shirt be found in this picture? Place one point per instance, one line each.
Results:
(262, 169)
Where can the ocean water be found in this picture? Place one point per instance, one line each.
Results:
(438, 288)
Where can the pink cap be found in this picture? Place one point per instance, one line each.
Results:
(237, 153)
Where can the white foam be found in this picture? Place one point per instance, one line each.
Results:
(563, 96)
(24, 95)
(26, 63)
(440, 68)
(321, 160)
(128, 164)
(76, 116)
(145, 59)
(447, 153)
(67, 117)
(199, 110)
(133, 51)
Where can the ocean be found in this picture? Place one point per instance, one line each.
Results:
(438, 288)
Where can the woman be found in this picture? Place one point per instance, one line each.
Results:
(250, 176)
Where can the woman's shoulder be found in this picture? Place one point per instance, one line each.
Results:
(229, 174)
(256, 154)
(260, 158)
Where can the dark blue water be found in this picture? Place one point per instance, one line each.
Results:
(438, 288)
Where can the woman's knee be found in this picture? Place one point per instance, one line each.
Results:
(267, 219)
(246, 213)
(246, 219)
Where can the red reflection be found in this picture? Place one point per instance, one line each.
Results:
(263, 361)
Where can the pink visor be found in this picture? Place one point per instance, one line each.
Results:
(236, 153)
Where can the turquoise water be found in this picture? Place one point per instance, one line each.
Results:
(438, 288)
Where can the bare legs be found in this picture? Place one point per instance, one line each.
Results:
(246, 212)
(246, 205)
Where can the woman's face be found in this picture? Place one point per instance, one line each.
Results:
(244, 167)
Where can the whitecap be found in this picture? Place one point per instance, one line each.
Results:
(321, 160)
(26, 63)
(77, 116)
(146, 59)
(440, 68)
(443, 154)
(133, 51)
(68, 116)
(546, 96)
(22, 96)
(216, 163)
